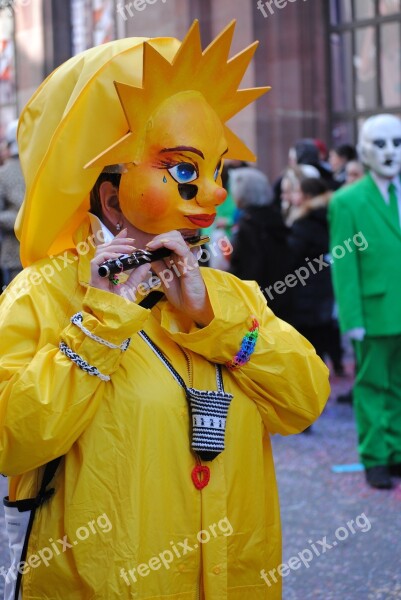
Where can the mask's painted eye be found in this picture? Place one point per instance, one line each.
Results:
(183, 173)
(216, 173)
(397, 142)
(379, 143)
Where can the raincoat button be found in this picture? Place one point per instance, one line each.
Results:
(217, 570)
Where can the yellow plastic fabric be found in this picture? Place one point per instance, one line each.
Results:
(126, 442)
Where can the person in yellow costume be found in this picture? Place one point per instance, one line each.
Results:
(161, 411)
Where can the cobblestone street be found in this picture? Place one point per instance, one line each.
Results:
(318, 502)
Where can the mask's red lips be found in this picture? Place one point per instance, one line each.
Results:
(201, 220)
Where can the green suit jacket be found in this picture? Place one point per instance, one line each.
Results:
(365, 244)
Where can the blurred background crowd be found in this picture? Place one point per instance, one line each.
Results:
(276, 229)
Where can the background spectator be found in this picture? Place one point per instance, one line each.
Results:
(313, 303)
(353, 171)
(307, 153)
(323, 154)
(291, 190)
(338, 159)
(12, 189)
(304, 153)
(368, 290)
(260, 246)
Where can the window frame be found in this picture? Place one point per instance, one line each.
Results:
(353, 114)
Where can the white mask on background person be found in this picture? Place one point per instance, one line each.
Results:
(380, 145)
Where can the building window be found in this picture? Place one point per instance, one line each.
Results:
(103, 18)
(365, 57)
(93, 23)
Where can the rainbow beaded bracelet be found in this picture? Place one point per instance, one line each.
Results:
(247, 347)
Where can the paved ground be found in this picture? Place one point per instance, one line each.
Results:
(360, 558)
(343, 537)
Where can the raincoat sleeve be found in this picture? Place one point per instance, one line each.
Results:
(46, 400)
(284, 376)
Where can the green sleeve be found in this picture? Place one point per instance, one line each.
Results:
(345, 267)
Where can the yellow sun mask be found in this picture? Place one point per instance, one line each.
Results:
(164, 128)
(176, 185)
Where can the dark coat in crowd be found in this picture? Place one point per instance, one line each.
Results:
(313, 302)
(12, 189)
(261, 253)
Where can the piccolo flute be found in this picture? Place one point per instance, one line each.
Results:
(140, 257)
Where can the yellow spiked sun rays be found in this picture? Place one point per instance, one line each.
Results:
(210, 73)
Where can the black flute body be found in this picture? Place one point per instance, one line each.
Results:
(125, 262)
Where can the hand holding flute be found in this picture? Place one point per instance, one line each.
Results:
(186, 290)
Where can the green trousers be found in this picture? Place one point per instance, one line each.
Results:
(377, 400)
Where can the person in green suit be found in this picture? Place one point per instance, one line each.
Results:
(368, 292)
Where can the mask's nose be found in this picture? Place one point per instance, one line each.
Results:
(211, 194)
(389, 149)
(220, 195)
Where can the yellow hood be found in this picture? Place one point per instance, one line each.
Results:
(74, 115)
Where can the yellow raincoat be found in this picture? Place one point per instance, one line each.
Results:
(126, 520)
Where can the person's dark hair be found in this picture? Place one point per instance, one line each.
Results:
(306, 152)
(95, 204)
(312, 186)
(346, 151)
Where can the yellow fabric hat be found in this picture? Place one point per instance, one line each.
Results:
(78, 122)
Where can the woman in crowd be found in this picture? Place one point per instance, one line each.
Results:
(291, 194)
(260, 245)
(313, 306)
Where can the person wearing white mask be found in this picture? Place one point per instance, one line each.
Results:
(367, 283)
